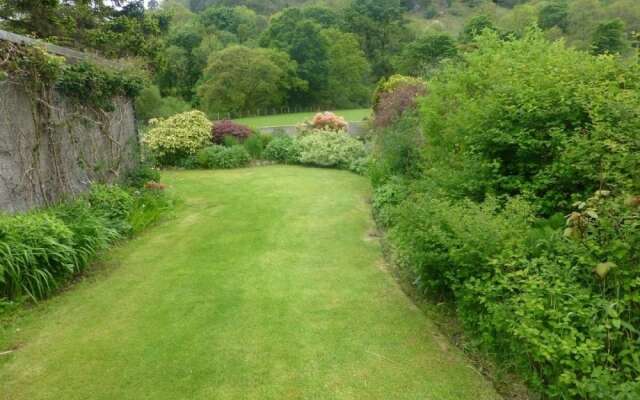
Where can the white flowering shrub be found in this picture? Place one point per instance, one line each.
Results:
(329, 149)
(173, 139)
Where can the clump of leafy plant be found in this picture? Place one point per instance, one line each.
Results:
(256, 144)
(113, 204)
(142, 174)
(35, 249)
(222, 157)
(43, 249)
(150, 204)
(282, 149)
(227, 128)
(173, 139)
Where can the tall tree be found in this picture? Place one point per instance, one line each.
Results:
(303, 41)
(42, 18)
(554, 14)
(425, 53)
(609, 37)
(380, 27)
(349, 82)
(475, 26)
(115, 28)
(179, 65)
(239, 78)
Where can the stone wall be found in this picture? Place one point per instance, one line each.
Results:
(355, 129)
(53, 149)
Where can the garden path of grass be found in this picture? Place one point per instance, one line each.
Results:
(357, 115)
(265, 285)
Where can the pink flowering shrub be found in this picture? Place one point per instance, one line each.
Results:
(328, 121)
(224, 128)
(391, 105)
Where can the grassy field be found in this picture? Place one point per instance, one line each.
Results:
(298, 118)
(267, 284)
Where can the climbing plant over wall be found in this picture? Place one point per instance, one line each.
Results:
(84, 82)
(75, 127)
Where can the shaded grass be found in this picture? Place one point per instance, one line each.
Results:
(266, 285)
(298, 118)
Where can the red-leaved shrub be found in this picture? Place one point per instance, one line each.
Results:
(227, 127)
(392, 104)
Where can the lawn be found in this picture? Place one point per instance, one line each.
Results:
(266, 284)
(298, 118)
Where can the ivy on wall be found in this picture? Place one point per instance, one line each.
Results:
(92, 91)
(84, 82)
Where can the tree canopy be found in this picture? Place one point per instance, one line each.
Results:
(240, 78)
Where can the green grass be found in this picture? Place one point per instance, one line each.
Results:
(265, 285)
(298, 118)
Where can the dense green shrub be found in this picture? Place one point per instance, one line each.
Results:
(386, 197)
(569, 302)
(360, 165)
(282, 149)
(445, 242)
(533, 118)
(173, 139)
(221, 157)
(230, 141)
(397, 150)
(329, 149)
(475, 26)
(517, 137)
(555, 13)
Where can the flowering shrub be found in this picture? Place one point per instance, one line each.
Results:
(227, 128)
(393, 104)
(172, 139)
(328, 121)
(391, 84)
(394, 96)
(329, 149)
